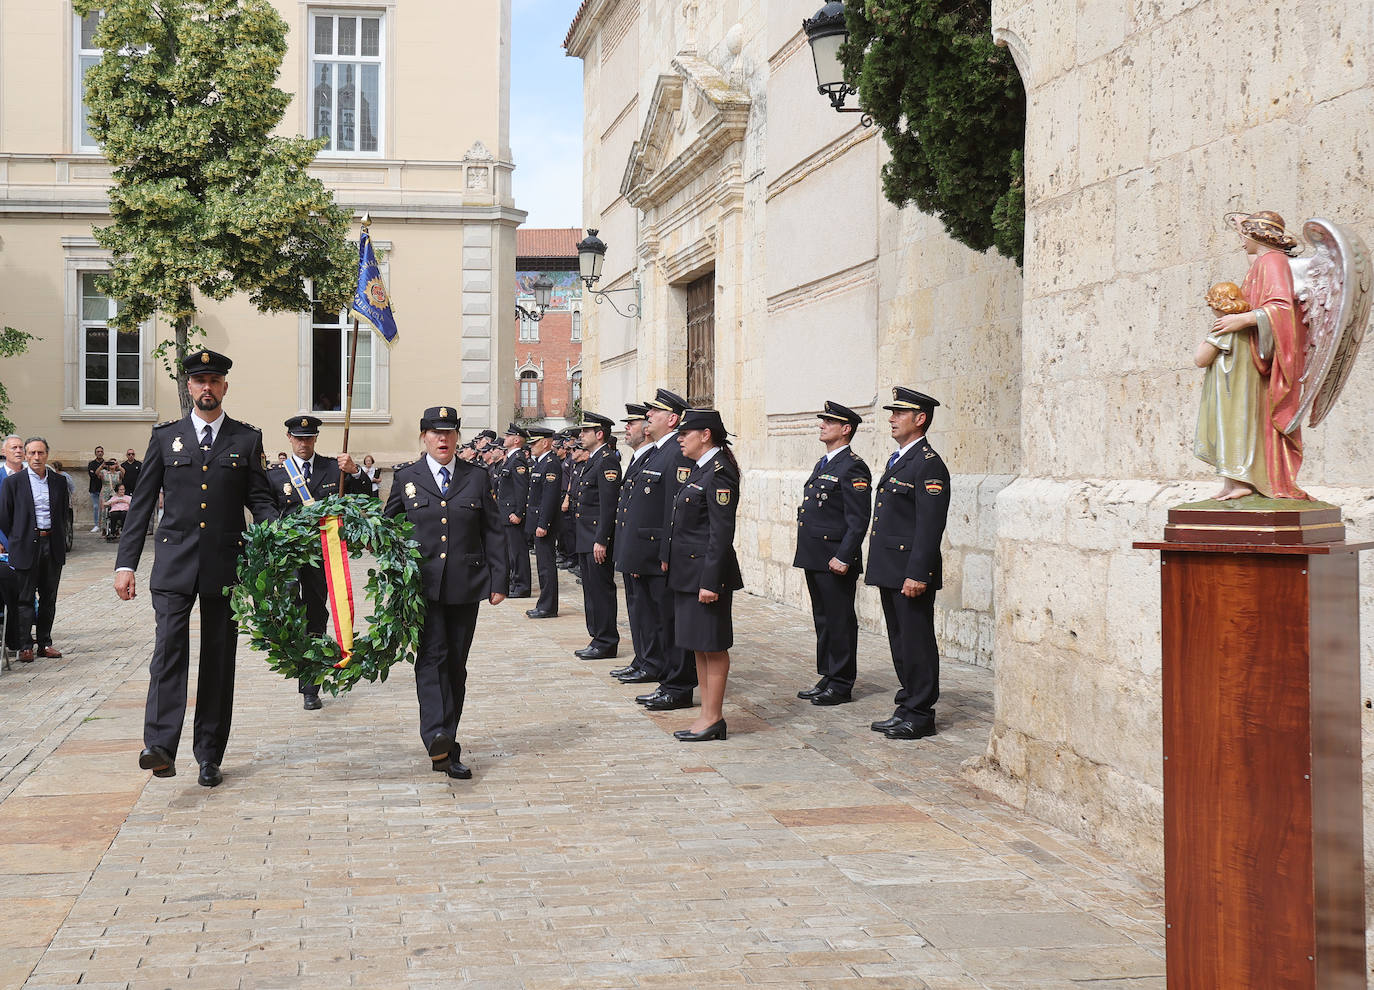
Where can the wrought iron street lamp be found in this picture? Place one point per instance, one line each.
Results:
(543, 295)
(826, 33)
(591, 254)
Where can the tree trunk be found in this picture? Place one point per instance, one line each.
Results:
(183, 328)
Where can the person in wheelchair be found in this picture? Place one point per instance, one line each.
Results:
(118, 505)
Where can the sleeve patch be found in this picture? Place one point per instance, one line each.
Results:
(520, 470)
(612, 476)
(550, 477)
(723, 496)
(935, 486)
(860, 484)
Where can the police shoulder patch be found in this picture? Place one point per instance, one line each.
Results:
(860, 484)
(935, 486)
(612, 475)
(683, 473)
(520, 469)
(550, 477)
(723, 496)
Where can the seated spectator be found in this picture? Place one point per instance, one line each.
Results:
(118, 504)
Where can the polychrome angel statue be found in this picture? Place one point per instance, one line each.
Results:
(1302, 321)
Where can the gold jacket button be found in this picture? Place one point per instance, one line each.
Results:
(443, 556)
(204, 488)
(444, 538)
(202, 505)
(205, 467)
(444, 520)
(202, 525)
(443, 505)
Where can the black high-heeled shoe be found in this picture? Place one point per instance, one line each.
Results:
(716, 731)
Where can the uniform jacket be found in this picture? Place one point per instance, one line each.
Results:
(512, 478)
(909, 520)
(701, 534)
(544, 504)
(598, 492)
(834, 514)
(20, 523)
(459, 532)
(205, 494)
(645, 508)
(324, 481)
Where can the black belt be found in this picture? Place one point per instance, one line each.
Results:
(45, 532)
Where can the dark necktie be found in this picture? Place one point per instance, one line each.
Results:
(305, 471)
(893, 459)
(443, 480)
(207, 437)
(820, 466)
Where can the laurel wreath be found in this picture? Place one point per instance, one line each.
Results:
(270, 610)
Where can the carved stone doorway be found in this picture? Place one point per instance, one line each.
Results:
(701, 341)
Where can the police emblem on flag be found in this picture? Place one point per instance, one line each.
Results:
(376, 292)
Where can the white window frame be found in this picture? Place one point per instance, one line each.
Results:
(575, 333)
(529, 328)
(380, 60)
(84, 325)
(532, 378)
(79, 90)
(380, 412)
(366, 363)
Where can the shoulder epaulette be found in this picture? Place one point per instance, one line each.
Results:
(250, 426)
(167, 423)
(403, 464)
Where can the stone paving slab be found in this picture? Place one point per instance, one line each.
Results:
(591, 849)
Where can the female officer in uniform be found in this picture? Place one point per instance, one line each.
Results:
(699, 556)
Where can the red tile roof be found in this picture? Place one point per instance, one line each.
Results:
(547, 242)
(581, 9)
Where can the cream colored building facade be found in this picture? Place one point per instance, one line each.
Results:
(414, 98)
(1069, 395)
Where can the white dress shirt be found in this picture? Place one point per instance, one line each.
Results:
(42, 505)
(199, 423)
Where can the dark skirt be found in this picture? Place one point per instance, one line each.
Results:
(703, 628)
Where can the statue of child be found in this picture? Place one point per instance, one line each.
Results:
(1233, 410)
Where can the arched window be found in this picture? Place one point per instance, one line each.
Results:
(576, 387)
(529, 392)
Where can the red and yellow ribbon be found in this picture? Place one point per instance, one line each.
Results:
(340, 585)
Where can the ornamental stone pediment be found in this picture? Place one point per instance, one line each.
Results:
(695, 115)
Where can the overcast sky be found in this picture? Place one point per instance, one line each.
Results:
(546, 114)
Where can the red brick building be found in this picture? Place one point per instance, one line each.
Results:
(548, 352)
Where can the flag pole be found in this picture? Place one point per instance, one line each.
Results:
(352, 364)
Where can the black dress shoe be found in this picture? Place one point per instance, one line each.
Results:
(158, 760)
(441, 752)
(811, 692)
(539, 613)
(622, 671)
(668, 702)
(644, 699)
(885, 724)
(831, 696)
(459, 771)
(716, 731)
(312, 703)
(638, 677)
(907, 729)
(210, 775)
(598, 655)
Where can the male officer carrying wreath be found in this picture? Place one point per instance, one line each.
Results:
(307, 476)
(904, 561)
(210, 468)
(830, 532)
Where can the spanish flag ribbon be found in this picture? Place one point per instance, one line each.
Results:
(340, 585)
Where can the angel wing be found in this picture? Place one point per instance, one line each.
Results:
(1333, 286)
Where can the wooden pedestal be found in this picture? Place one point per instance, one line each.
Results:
(1263, 854)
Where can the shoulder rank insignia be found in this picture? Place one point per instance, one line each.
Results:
(683, 473)
(935, 486)
(410, 489)
(176, 445)
(168, 422)
(860, 484)
(251, 427)
(930, 454)
(611, 476)
(397, 467)
(723, 496)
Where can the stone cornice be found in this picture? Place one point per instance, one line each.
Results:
(416, 212)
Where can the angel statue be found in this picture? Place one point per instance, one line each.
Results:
(1302, 321)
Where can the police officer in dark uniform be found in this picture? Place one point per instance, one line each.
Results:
(542, 518)
(678, 678)
(636, 553)
(459, 530)
(321, 477)
(567, 447)
(830, 532)
(904, 561)
(210, 468)
(512, 494)
(598, 491)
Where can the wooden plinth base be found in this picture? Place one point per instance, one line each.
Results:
(1263, 814)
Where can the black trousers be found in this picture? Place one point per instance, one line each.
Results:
(598, 601)
(169, 670)
(915, 653)
(9, 593)
(837, 627)
(546, 562)
(41, 579)
(517, 560)
(679, 665)
(441, 668)
(646, 622)
(314, 594)
(565, 536)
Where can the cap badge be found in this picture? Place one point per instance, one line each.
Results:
(443, 412)
(304, 421)
(894, 394)
(176, 445)
(205, 357)
(286, 487)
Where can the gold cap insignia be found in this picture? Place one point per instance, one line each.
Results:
(894, 393)
(304, 421)
(443, 412)
(205, 357)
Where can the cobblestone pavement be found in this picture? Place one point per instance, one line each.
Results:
(590, 850)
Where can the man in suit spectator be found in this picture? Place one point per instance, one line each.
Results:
(12, 448)
(132, 466)
(33, 512)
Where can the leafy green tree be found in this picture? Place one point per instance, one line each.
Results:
(952, 110)
(12, 343)
(206, 200)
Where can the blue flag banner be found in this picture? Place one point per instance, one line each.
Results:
(371, 304)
